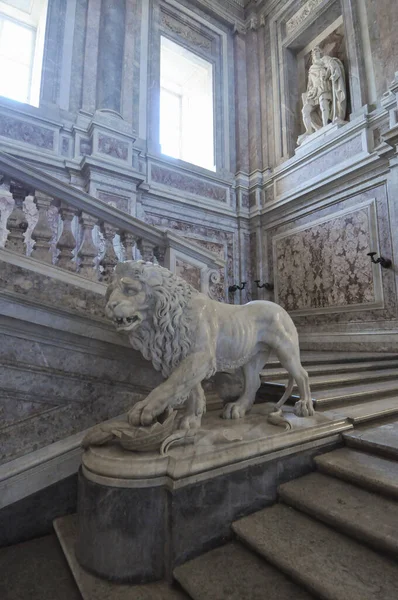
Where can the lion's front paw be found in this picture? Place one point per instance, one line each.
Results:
(190, 422)
(141, 414)
(233, 410)
(302, 408)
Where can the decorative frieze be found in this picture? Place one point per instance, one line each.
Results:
(187, 183)
(301, 15)
(21, 131)
(113, 147)
(188, 33)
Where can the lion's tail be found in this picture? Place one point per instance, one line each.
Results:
(286, 395)
(277, 418)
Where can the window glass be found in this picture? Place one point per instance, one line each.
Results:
(186, 105)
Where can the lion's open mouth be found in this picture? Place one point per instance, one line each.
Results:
(126, 322)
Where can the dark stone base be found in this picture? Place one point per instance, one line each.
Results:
(33, 516)
(121, 531)
(142, 534)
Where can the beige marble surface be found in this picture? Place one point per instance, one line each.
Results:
(219, 443)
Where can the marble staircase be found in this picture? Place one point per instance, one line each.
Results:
(333, 535)
(358, 386)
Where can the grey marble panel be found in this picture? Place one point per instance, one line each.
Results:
(79, 36)
(53, 45)
(110, 54)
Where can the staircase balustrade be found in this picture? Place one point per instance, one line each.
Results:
(89, 236)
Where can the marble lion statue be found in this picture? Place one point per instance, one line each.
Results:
(189, 337)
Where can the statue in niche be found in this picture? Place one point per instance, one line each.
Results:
(325, 100)
(189, 338)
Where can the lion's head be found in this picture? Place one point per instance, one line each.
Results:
(152, 305)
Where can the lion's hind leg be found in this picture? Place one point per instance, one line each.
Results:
(251, 370)
(290, 360)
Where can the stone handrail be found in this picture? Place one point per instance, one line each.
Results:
(82, 234)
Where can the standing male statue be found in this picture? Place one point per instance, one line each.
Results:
(325, 99)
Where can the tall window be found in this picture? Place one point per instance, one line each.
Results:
(186, 105)
(22, 25)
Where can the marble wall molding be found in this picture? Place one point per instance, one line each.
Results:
(188, 185)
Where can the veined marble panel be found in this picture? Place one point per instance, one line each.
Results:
(187, 183)
(22, 131)
(189, 272)
(324, 266)
(217, 241)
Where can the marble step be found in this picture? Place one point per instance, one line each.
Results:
(327, 563)
(233, 572)
(379, 439)
(95, 588)
(366, 470)
(346, 379)
(363, 392)
(36, 570)
(274, 373)
(362, 514)
(364, 411)
(316, 358)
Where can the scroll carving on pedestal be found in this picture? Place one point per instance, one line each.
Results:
(325, 100)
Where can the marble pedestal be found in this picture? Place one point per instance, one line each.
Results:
(140, 515)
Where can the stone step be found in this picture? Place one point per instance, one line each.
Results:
(232, 572)
(329, 564)
(363, 412)
(316, 358)
(275, 373)
(346, 379)
(379, 439)
(364, 515)
(366, 470)
(36, 570)
(359, 392)
(95, 588)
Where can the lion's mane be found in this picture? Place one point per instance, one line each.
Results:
(164, 338)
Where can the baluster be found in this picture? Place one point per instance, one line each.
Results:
(17, 222)
(146, 250)
(160, 253)
(128, 240)
(110, 259)
(67, 241)
(88, 250)
(42, 233)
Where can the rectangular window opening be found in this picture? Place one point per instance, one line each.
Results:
(22, 28)
(186, 105)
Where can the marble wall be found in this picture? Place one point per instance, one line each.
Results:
(317, 210)
(301, 218)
